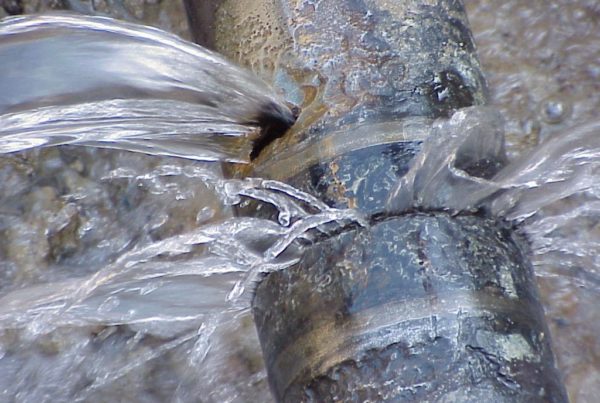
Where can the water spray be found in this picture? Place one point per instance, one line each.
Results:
(423, 305)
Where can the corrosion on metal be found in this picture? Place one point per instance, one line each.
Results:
(422, 307)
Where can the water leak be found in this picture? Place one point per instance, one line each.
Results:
(124, 276)
(111, 310)
(129, 87)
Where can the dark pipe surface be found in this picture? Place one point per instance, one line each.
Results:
(201, 20)
(419, 307)
(423, 307)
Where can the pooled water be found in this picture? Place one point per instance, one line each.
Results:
(124, 276)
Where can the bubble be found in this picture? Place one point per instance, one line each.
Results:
(554, 111)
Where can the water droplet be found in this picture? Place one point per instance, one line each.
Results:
(554, 111)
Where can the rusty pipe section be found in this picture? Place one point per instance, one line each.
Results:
(362, 73)
(420, 307)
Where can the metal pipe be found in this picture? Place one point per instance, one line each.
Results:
(422, 306)
(200, 17)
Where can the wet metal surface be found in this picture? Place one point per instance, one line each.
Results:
(420, 307)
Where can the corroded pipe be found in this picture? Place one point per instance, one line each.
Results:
(423, 307)
(360, 71)
(419, 307)
(200, 16)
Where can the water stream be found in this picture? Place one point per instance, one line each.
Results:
(92, 81)
(125, 277)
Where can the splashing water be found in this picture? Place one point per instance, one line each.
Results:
(553, 171)
(139, 282)
(173, 292)
(558, 169)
